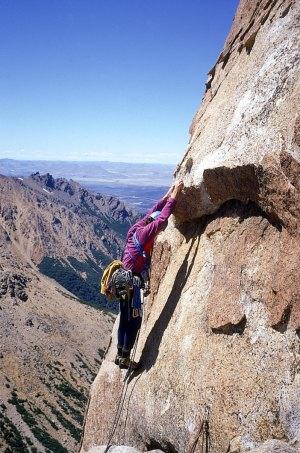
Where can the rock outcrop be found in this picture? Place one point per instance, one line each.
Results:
(219, 344)
(14, 285)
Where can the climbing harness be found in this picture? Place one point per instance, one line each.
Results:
(144, 253)
(139, 247)
(122, 284)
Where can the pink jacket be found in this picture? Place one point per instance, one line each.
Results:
(146, 234)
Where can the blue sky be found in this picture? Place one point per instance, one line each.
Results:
(105, 79)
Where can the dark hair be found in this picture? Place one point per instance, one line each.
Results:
(148, 220)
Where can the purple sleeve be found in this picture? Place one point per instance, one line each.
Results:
(149, 231)
(136, 225)
(158, 206)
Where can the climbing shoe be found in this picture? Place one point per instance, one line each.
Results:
(117, 359)
(125, 363)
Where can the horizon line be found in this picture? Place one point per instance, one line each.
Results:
(88, 161)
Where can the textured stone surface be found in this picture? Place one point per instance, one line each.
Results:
(274, 446)
(248, 114)
(219, 344)
(118, 449)
(196, 353)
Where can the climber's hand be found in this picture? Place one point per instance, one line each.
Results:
(168, 194)
(178, 186)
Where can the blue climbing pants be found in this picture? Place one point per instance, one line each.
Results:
(128, 328)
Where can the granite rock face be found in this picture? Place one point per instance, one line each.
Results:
(219, 344)
(245, 136)
(274, 446)
(118, 449)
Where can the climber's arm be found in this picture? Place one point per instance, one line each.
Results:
(161, 203)
(153, 228)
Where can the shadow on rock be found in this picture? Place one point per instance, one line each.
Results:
(151, 347)
(192, 232)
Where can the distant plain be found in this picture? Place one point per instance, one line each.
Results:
(138, 185)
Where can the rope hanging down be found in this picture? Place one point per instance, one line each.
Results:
(122, 397)
(204, 429)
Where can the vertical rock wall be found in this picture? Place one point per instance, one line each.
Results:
(219, 345)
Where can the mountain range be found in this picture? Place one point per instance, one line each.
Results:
(138, 185)
(102, 171)
(68, 232)
(55, 239)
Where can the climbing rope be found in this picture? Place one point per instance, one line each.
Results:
(84, 422)
(204, 429)
(193, 447)
(206, 438)
(117, 415)
(122, 396)
(127, 409)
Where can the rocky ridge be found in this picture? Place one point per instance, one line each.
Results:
(68, 232)
(51, 348)
(51, 343)
(219, 344)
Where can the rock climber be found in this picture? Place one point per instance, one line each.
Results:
(136, 258)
